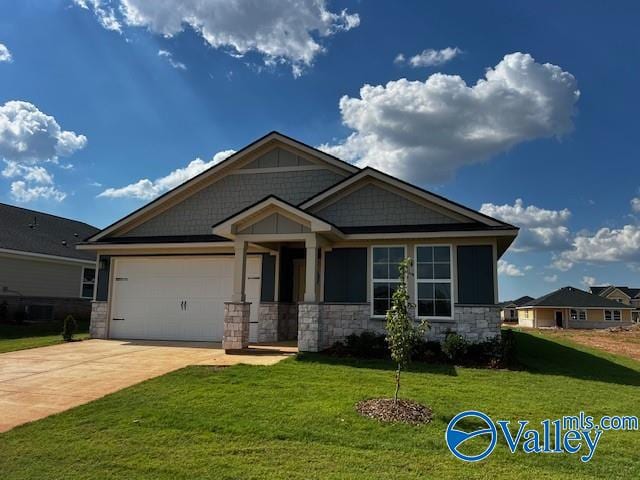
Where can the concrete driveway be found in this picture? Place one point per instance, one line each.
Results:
(38, 382)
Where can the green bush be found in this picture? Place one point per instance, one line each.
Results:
(455, 348)
(367, 345)
(69, 327)
(508, 348)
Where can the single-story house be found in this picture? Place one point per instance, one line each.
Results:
(42, 275)
(508, 309)
(282, 241)
(571, 307)
(626, 295)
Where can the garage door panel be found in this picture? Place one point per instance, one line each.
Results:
(151, 293)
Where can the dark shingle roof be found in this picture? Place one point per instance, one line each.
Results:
(631, 292)
(518, 302)
(574, 297)
(37, 232)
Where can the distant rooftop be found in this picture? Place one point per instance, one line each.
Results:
(574, 297)
(37, 232)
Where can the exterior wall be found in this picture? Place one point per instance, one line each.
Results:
(545, 317)
(196, 214)
(277, 157)
(236, 325)
(99, 320)
(275, 223)
(40, 278)
(509, 315)
(341, 320)
(618, 296)
(287, 321)
(373, 205)
(475, 323)
(277, 321)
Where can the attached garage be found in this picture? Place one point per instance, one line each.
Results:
(177, 297)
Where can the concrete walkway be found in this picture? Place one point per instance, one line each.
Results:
(38, 382)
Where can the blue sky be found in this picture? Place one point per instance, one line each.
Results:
(141, 95)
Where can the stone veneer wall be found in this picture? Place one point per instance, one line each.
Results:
(476, 322)
(236, 325)
(277, 321)
(341, 320)
(309, 318)
(98, 324)
(287, 321)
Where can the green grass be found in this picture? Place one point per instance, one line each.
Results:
(19, 337)
(296, 420)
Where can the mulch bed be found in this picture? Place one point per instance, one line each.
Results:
(386, 410)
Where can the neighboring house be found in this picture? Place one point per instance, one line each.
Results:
(41, 272)
(282, 241)
(508, 310)
(571, 307)
(626, 295)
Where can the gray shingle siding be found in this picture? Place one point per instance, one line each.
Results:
(372, 205)
(196, 214)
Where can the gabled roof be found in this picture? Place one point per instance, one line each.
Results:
(226, 165)
(607, 290)
(402, 185)
(33, 232)
(271, 204)
(571, 297)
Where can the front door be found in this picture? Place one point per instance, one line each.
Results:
(559, 319)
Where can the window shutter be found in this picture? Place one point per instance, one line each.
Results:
(345, 275)
(475, 275)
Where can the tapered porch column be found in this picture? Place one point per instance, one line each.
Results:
(237, 311)
(309, 312)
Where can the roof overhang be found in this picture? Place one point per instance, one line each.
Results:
(46, 257)
(241, 221)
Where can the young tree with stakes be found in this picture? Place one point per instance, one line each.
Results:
(402, 332)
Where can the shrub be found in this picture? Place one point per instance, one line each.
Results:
(19, 316)
(367, 345)
(455, 347)
(68, 328)
(508, 348)
(4, 312)
(428, 351)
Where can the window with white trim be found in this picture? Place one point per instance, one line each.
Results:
(385, 276)
(433, 281)
(88, 282)
(612, 315)
(579, 315)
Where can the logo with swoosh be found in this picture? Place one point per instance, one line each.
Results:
(456, 438)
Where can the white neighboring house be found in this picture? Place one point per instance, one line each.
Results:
(509, 309)
(42, 275)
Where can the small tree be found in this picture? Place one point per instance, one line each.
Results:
(402, 332)
(68, 328)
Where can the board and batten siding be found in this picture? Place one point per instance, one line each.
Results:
(40, 278)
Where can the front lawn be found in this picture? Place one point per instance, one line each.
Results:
(19, 337)
(297, 420)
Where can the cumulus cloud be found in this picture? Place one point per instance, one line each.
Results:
(635, 204)
(30, 139)
(588, 281)
(509, 269)
(541, 229)
(425, 131)
(146, 189)
(607, 245)
(168, 56)
(429, 57)
(5, 54)
(282, 31)
(551, 278)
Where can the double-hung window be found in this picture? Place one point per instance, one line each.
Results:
(385, 276)
(88, 282)
(434, 282)
(614, 315)
(579, 315)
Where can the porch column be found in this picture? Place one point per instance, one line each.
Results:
(309, 312)
(311, 269)
(237, 311)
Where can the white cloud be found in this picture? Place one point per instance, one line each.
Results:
(588, 281)
(509, 269)
(30, 138)
(281, 31)
(5, 54)
(23, 192)
(425, 131)
(607, 245)
(528, 267)
(430, 57)
(541, 229)
(635, 204)
(169, 57)
(551, 278)
(146, 189)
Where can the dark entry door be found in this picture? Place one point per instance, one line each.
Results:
(559, 319)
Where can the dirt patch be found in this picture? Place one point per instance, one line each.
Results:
(618, 341)
(402, 411)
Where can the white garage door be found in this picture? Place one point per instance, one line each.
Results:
(177, 298)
